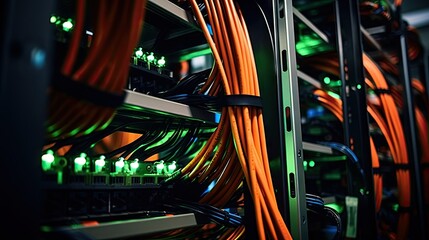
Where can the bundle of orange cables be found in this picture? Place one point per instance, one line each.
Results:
(334, 105)
(104, 68)
(238, 146)
(389, 123)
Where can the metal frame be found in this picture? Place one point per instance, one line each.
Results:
(409, 122)
(145, 103)
(356, 129)
(291, 182)
(131, 228)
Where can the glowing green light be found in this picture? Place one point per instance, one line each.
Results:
(134, 165)
(358, 86)
(395, 207)
(171, 167)
(47, 160)
(311, 163)
(48, 156)
(161, 62)
(53, 19)
(79, 162)
(56, 133)
(100, 163)
(67, 25)
(334, 95)
(160, 167)
(335, 206)
(151, 57)
(305, 163)
(119, 165)
(74, 131)
(91, 129)
(139, 53)
(60, 177)
(195, 54)
(326, 80)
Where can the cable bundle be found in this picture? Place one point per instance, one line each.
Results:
(335, 106)
(398, 146)
(237, 147)
(103, 71)
(386, 115)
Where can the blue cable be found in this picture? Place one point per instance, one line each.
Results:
(350, 155)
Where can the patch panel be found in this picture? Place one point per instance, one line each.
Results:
(99, 171)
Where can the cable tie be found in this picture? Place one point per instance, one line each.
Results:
(379, 91)
(379, 171)
(402, 166)
(91, 94)
(241, 100)
(387, 169)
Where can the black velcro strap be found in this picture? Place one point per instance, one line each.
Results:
(82, 91)
(379, 91)
(403, 166)
(386, 169)
(241, 100)
(377, 171)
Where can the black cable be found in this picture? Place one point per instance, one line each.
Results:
(217, 215)
(151, 148)
(154, 138)
(330, 213)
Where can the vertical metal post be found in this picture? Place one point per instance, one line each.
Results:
(409, 121)
(25, 72)
(356, 129)
(289, 170)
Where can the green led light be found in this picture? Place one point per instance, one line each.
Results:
(358, 86)
(100, 163)
(171, 167)
(151, 57)
(160, 167)
(161, 62)
(395, 207)
(60, 177)
(134, 165)
(326, 80)
(48, 156)
(311, 163)
(305, 163)
(139, 53)
(53, 19)
(67, 25)
(79, 162)
(47, 160)
(119, 165)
